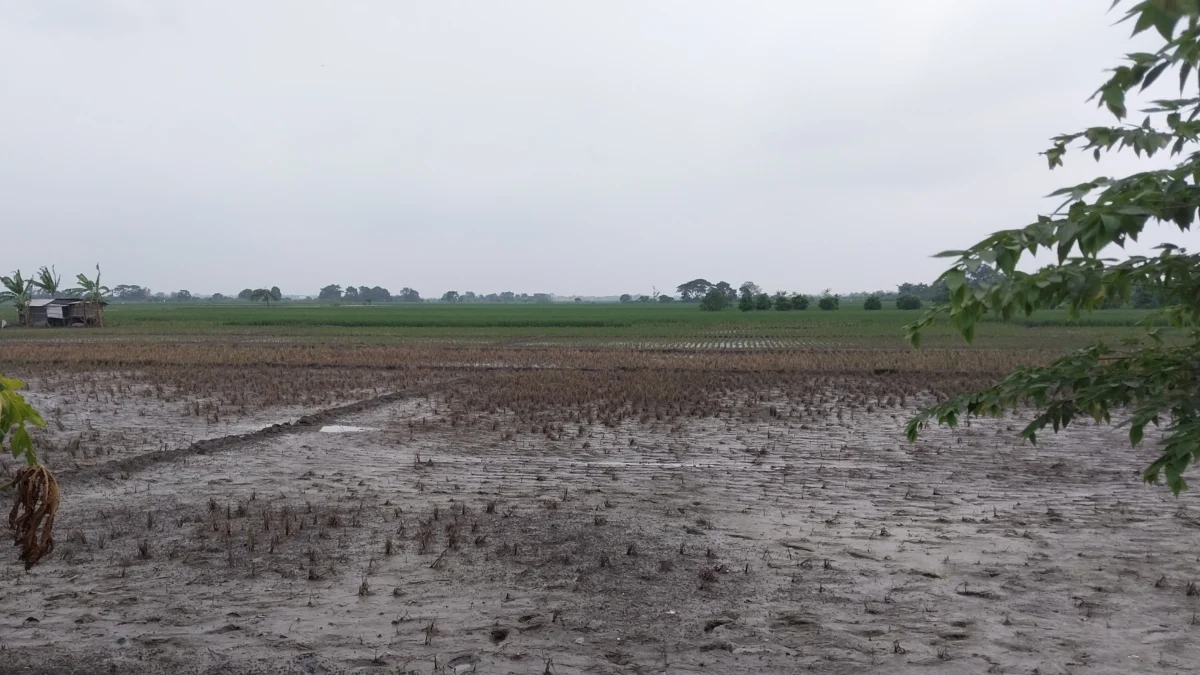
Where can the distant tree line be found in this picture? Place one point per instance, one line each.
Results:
(708, 296)
(750, 297)
(334, 292)
(330, 293)
(506, 296)
(660, 298)
(136, 293)
(367, 294)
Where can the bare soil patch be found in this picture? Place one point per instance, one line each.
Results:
(760, 525)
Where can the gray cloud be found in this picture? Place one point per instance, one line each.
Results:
(562, 146)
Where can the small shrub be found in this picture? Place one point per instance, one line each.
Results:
(873, 302)
(828, 302)
(908, 302)
(799, 302)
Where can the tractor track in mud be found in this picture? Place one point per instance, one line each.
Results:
(129, 465)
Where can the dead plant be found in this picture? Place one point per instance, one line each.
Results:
(32, 516)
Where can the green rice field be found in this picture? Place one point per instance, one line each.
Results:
(678, 325)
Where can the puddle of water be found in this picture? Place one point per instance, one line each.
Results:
(339, 429)
(723, 466)
(654, 465)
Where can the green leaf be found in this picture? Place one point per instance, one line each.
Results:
(1114, 99)
(21, 444)
(1153, 75)
(1175, 481)
(15, 413)
(1165, 22)
(968, 333)
(955, 279)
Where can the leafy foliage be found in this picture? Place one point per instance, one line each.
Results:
(873, 302)
(264, 295)
(36, 499)
(936, 292)
(18, 291)
(714, 301)
(15, 413)
(91, 290)
(828, 301)
(984, 275)
(409, 295)
(762, 302)
(1150, 380)
(48, 280)
(908, 302)
(694, 290)
(749, 288)
(800, 302)
(1144, 298)
(782, 302)
(131, 292)
(730, 292)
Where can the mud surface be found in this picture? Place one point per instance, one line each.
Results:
(781, 540)
(105, 424)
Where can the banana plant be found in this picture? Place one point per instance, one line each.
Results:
(92, 292)
(49, 280)
(17, 290)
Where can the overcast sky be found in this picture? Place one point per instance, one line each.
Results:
(562, 146)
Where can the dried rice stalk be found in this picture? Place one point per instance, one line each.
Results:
(32, 517)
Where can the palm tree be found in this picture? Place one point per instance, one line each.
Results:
(17, 291)
(92, 293)
(48, 279)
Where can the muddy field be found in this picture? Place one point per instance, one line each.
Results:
(606, 520)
